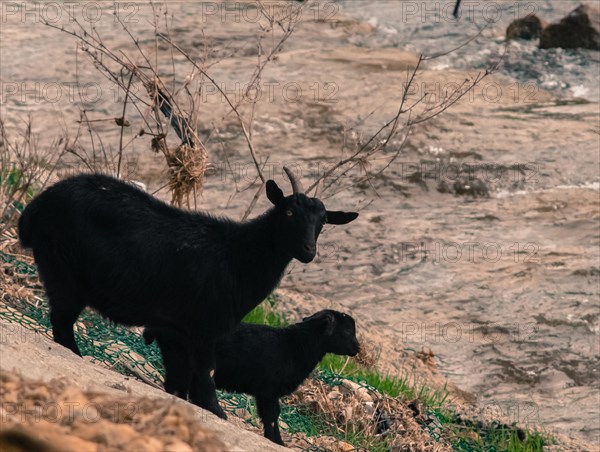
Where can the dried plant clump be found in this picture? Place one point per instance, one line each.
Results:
(187, 162)
(187, 166)
(355, 410)
(368, 354)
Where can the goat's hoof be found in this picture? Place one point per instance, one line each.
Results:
(218, 411)
(276, 440)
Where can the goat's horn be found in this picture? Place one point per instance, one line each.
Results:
(296, 185)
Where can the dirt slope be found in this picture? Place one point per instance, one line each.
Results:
(31, 355)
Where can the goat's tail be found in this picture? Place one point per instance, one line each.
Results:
(148, 336)
(26, 226)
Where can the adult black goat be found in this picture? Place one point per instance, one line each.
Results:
(101, 242)
(268, 362)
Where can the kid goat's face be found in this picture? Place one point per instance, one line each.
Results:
(338, 330)
(301, 220)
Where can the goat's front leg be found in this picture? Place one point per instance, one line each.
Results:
(202, 391)
(268, 410)
(176, 360)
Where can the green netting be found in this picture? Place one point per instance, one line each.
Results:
(21, 267)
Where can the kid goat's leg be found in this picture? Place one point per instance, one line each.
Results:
(268, 410)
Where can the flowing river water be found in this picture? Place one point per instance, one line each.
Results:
(504, 289)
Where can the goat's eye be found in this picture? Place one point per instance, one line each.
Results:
(289, 213)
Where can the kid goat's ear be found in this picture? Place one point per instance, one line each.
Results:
(329, 320)
(335, 217)
(324, 318)
(274, 193)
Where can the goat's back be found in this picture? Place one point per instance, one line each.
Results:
(259, 360)
(117, 248)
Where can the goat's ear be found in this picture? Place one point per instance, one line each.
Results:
(274, 193)
(310, 317)
(329, 323)
(335, 217)
(324, 318)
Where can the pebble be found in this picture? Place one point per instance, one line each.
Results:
(346, 447)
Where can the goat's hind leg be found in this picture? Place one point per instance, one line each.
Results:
(203, 391)
(268, 410)
(62, 291)
(63, 314)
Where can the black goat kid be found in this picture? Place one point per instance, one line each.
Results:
(268, 362)
(104, 243)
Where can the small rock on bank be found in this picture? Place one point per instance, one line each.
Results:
(580, 29)
(528, 28)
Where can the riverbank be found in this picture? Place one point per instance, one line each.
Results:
(499, 283)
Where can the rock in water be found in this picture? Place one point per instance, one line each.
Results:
(580, 29)
(474, 187)
(529, 27)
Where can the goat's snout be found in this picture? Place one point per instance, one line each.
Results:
(306, 252)
(310, 248)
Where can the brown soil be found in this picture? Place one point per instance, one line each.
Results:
(57, 416)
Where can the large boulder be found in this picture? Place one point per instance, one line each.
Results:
(580, 29)
(528, 27)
